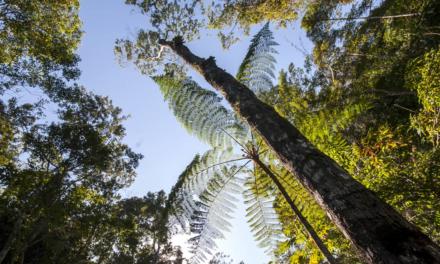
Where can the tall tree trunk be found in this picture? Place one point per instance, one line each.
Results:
(310, 230)
(380, 234)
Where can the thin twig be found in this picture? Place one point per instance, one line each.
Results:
(371, 17)
(404, 108)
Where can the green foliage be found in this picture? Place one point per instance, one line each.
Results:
(359, 105)
(221, 258)
(63, 176)
(138, 232)
(145, 52)
(424, 78)
(323, 124)
(256, 70)
(189, 18)
(6, 153)
(204, 192)
(43, 30)
(215, 208)
(259, 197)
(226, 16)
(325, 128)
(204, 199)
(171, 18)
(403, 171)
(248, 13)
(391, 64)
(200, 111)
(367, 98)
(62, 156)
(195, 178)
(38, 40)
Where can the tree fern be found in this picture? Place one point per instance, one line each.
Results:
(256, 70)
(205, 192)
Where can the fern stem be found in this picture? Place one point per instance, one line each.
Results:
(220, 163)
(233, 138)
(310, 230)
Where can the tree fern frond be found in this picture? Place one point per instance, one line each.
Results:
(256, 70)
(261, 215)
(194, 180)
(216, 205)
(175, 205)
(296, 191)
(199, 110)
(211, 163)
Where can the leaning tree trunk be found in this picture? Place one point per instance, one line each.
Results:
(309, 228)
(380, 233)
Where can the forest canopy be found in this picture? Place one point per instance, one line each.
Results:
(337, 160)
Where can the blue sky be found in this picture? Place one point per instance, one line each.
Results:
(151, 128)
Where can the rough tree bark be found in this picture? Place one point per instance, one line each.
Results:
(309, 228)
(380, 233)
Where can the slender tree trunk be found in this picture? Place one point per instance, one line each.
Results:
(371, 17)
(11, 238)
(380, 233)
(310, 231)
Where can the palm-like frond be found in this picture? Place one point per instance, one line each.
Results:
(256, 70)
(216, 206)
(194, 180)
(176, 195)
(261, 215)
(199, 110)
(204, 198)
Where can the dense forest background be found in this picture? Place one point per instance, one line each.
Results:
(368, 97)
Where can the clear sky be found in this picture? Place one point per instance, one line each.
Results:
(151, 128)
